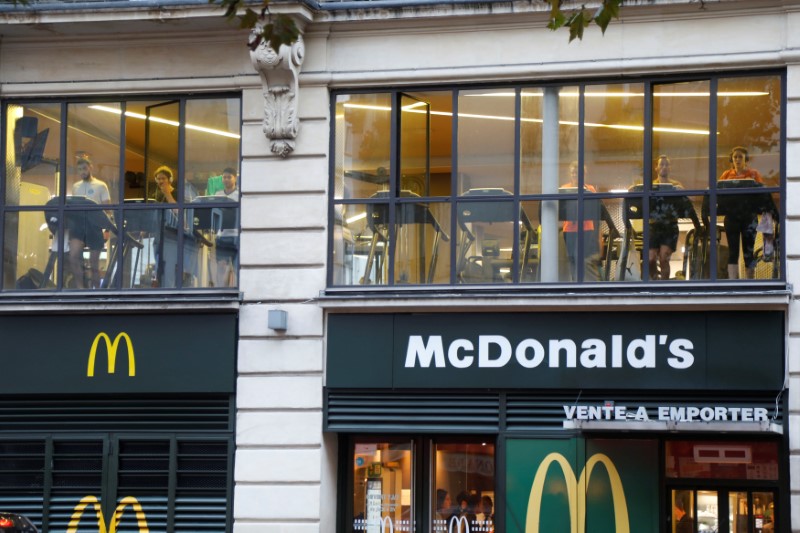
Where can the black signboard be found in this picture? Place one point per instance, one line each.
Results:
(118, 353)
(711, 351)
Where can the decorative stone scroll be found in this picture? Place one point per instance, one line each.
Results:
(279, 78)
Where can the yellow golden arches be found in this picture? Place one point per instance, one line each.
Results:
(111, 351)
(577, 498)
(77, 513)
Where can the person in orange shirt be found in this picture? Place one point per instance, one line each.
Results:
(741, 223)
(591, 236)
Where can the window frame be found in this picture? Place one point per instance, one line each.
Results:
(710, 283)
(117, 205)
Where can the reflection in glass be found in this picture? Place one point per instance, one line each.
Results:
(354, 243)
(486, 140)
(32, 164)
(363, 137)
(382, 487)
(549, 138)
(614, 135)
(93, 134)
(463, 495)
(680, 130)
(30, 258)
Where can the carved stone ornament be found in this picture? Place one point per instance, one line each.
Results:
(279, 78)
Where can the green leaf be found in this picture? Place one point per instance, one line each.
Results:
(608, 10)
(249, 19)
(557, 20)
(576, 23)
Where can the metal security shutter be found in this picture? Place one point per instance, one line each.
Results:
(201, 498)
(412, 412)
(22, 473)
(175, 483)
(184, 413)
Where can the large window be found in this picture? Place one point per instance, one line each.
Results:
(121, 194)
(661, 181)
(399, 484)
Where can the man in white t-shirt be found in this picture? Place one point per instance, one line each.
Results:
(82, 232)
(230, 188)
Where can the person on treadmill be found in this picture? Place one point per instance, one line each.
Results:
(83, 231)
(741, 223)
(664, 214)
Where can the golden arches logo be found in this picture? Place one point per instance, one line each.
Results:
(576, 497)
(86, 501)
(111, 353)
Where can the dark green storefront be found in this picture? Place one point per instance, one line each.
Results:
(118, 421)
(601, 422)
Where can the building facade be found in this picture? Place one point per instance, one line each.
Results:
(431, 268)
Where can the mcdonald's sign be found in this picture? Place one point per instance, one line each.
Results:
(582, 485)
(86, 501)
(111, 353)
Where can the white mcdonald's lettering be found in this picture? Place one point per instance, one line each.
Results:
(111, 353)
(387, 520)
(577, 498)
(77, 513)
(459, 520)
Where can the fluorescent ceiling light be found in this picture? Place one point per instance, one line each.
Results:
(131, 114)
(624, 94)
(630, 127)
(356, 218)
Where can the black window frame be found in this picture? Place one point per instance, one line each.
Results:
(711, 283)
(118, 206)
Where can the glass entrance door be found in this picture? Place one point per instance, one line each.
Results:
(722, 511)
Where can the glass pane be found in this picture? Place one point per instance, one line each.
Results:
(763, 512)
(486, 140)
(415, 118)
(422, 249)
(750, 224)
(93, 151)
(749, 115)
(723, 460)
(363, 140)
(29, 260)
(212, 145)
(464, 488)
(739, 512)
(683, 518)
(382, 487)
(439, 147)
(486, 240)
(87, 233)
(158, 262)
(614, 135)
(549, 139)
(161, 133)
(677, 242)
(352, 244)
(214, 242)
(34, 141)
(707, 511)
(680, 132)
